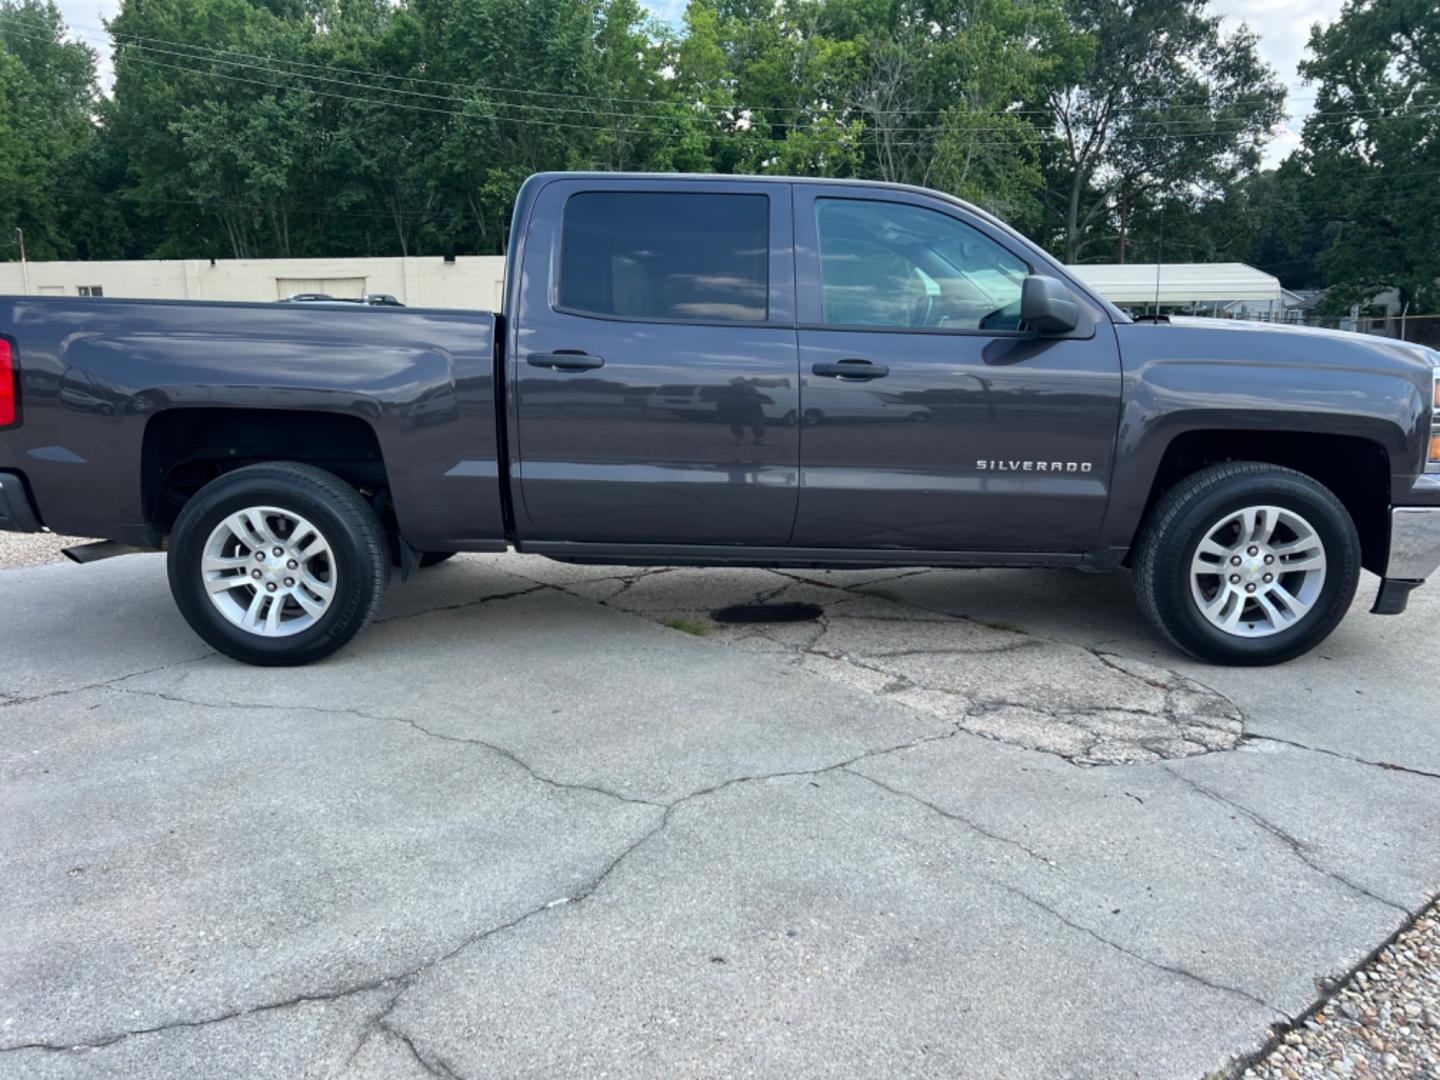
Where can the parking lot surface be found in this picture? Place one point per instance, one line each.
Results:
(550, 820)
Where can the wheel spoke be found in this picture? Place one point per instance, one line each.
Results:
(1249, 523)
(245, 529)
(225, 582)
(312, 607)
(252, 613)
(222, 563)
(1277, 618)
(1266, 519)
(322, 589)
(1290, 601)
(1210, 546)
(1201, 568)
(1313, 559)
(1227, 615)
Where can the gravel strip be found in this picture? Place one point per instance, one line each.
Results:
(1384, 1022)
(32, 549)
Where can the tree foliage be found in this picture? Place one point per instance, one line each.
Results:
(47, 104)
(1105, 128)
(1371, 154)
(1154, 98)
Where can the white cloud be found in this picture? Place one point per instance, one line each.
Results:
(84, 19)
(671, 11)
(86, 14)
(1284, 29)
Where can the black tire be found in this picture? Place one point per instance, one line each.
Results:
(434, 558)
(1175, 528)
(348, 523)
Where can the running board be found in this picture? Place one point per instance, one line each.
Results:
(101, 549)
(819, 558)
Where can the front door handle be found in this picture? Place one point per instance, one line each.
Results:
(858, 370)
(564, 361)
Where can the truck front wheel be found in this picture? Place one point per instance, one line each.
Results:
(1247, 563)
(278, 564)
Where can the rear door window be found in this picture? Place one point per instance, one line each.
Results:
(666, 257)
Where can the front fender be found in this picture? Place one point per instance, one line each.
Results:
(1179, 380)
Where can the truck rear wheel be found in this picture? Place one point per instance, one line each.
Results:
(1247, 564)
(278, 564)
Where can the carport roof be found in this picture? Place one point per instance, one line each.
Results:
(1179, 283)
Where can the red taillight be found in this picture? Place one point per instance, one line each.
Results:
(7, 385)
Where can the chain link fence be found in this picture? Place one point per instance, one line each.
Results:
(1422, 329)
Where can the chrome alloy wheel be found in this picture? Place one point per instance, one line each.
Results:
(269, 571)
(1257, 571)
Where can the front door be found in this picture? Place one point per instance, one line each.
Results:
(656, 377)
(931, 419)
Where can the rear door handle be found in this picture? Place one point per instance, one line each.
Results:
(858, 370)
(564, 361)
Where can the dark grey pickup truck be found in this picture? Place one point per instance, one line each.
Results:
(725, 370)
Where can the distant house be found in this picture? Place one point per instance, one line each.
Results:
(1294, 306)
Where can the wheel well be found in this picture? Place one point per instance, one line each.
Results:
(185, 449)
(1357, 470)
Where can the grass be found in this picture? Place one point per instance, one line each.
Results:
(689, 626)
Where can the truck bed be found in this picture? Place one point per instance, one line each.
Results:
(101, 383)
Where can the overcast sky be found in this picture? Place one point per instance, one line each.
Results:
(1283, 26)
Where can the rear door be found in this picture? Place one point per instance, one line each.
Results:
(656, 377)
(931, 418)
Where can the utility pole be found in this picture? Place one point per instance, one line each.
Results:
(24, 266)
(1124, 216)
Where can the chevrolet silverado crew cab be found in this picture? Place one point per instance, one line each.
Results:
(728, 370)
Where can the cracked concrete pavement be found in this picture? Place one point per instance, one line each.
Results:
(966, 823)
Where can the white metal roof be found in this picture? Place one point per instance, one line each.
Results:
(1179, 283)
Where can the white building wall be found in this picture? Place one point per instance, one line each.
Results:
(473, 282)
(476, 282)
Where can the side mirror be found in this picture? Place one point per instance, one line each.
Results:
(1047, 305)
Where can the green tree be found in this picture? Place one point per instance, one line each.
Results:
(215, 145)
(338, 127)
(47, 103)
(1154, 98)
(1371, 152)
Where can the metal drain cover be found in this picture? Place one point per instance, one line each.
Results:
(767, 613)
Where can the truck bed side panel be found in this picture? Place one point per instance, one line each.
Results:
(94, 373)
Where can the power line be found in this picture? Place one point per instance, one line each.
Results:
(1216, 127)
(249, 59)
(858, 114)
(226, 204)
(474, 110)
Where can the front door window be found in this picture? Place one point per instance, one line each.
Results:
(890, 265)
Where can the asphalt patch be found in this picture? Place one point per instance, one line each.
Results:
(767, 613)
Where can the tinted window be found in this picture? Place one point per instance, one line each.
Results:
(645, 255)
(888, 264)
